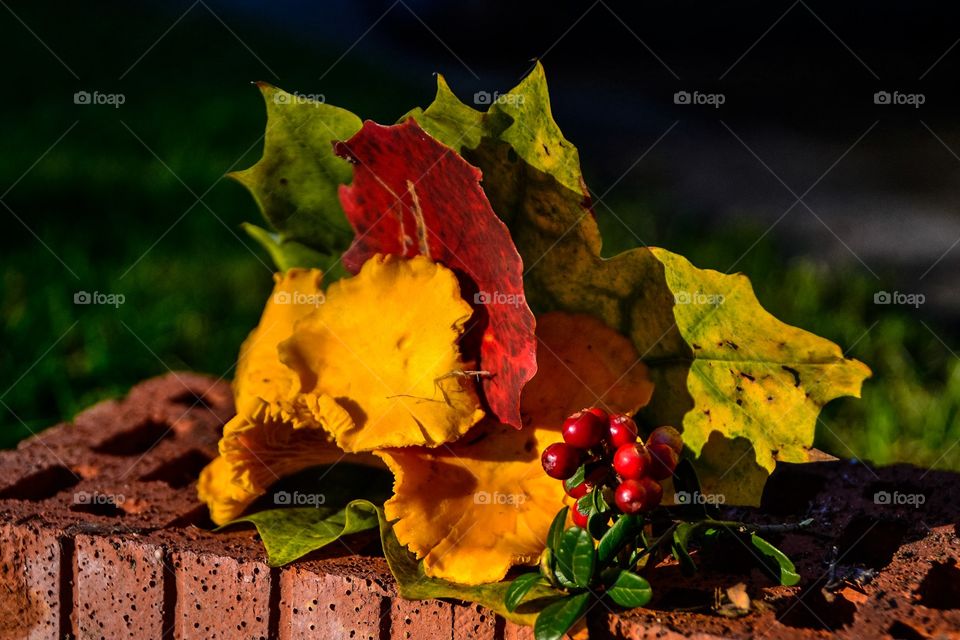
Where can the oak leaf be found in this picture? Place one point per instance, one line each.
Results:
(745, 387)
(295, 181)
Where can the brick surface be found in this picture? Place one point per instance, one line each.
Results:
(420, 619)
(473, 622)
(30, 582)
(317, 604)
(102, 536)
(220, 597)
(119, 588)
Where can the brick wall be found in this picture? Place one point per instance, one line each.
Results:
(74, 563)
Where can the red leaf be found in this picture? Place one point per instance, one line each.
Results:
(411, 195)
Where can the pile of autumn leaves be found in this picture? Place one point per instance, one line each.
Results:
(424, 357)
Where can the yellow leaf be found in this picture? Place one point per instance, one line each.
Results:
(260, 374)
(383, 346)
(474, 508)
(271, 441)
(275, 432)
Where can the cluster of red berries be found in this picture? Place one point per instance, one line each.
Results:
(616, 460)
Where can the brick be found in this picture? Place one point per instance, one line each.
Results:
(314, 603)
(513, 631)
(220, 597)
(119, 588)
(414, 619)
(152, 565)
(473, 622)
(30, 582)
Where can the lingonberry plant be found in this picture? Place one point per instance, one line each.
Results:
(620, 529)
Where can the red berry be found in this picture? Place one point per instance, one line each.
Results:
(579, 491)
(584, 430)
(623, 430)
(597, 411)
(630, 496)
(654, 493)
(631, 461)
(560, 460)
(664, 461)
(579, 519)
(668, 436)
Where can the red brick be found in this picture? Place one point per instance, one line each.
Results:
(144, 567)
(317, 604)
(118, 588)
(30, 582)
(473, 622)
(416, 619)
(220, 597)
(513, 631)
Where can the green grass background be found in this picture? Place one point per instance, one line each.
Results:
(124, 221)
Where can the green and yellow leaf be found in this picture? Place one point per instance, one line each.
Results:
(295, 182)
(745, 387)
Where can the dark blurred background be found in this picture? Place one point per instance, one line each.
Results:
(829, 173)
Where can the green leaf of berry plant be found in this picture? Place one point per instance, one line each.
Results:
(623, 532)
(776, 561)
(630, 590)
(681, 539)
(295, 182)
(289, 534)
(577, 478)
(519, 588)
(745, 387)
(555, 533)
(556, 619)
(577, 556)
(412, 195)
